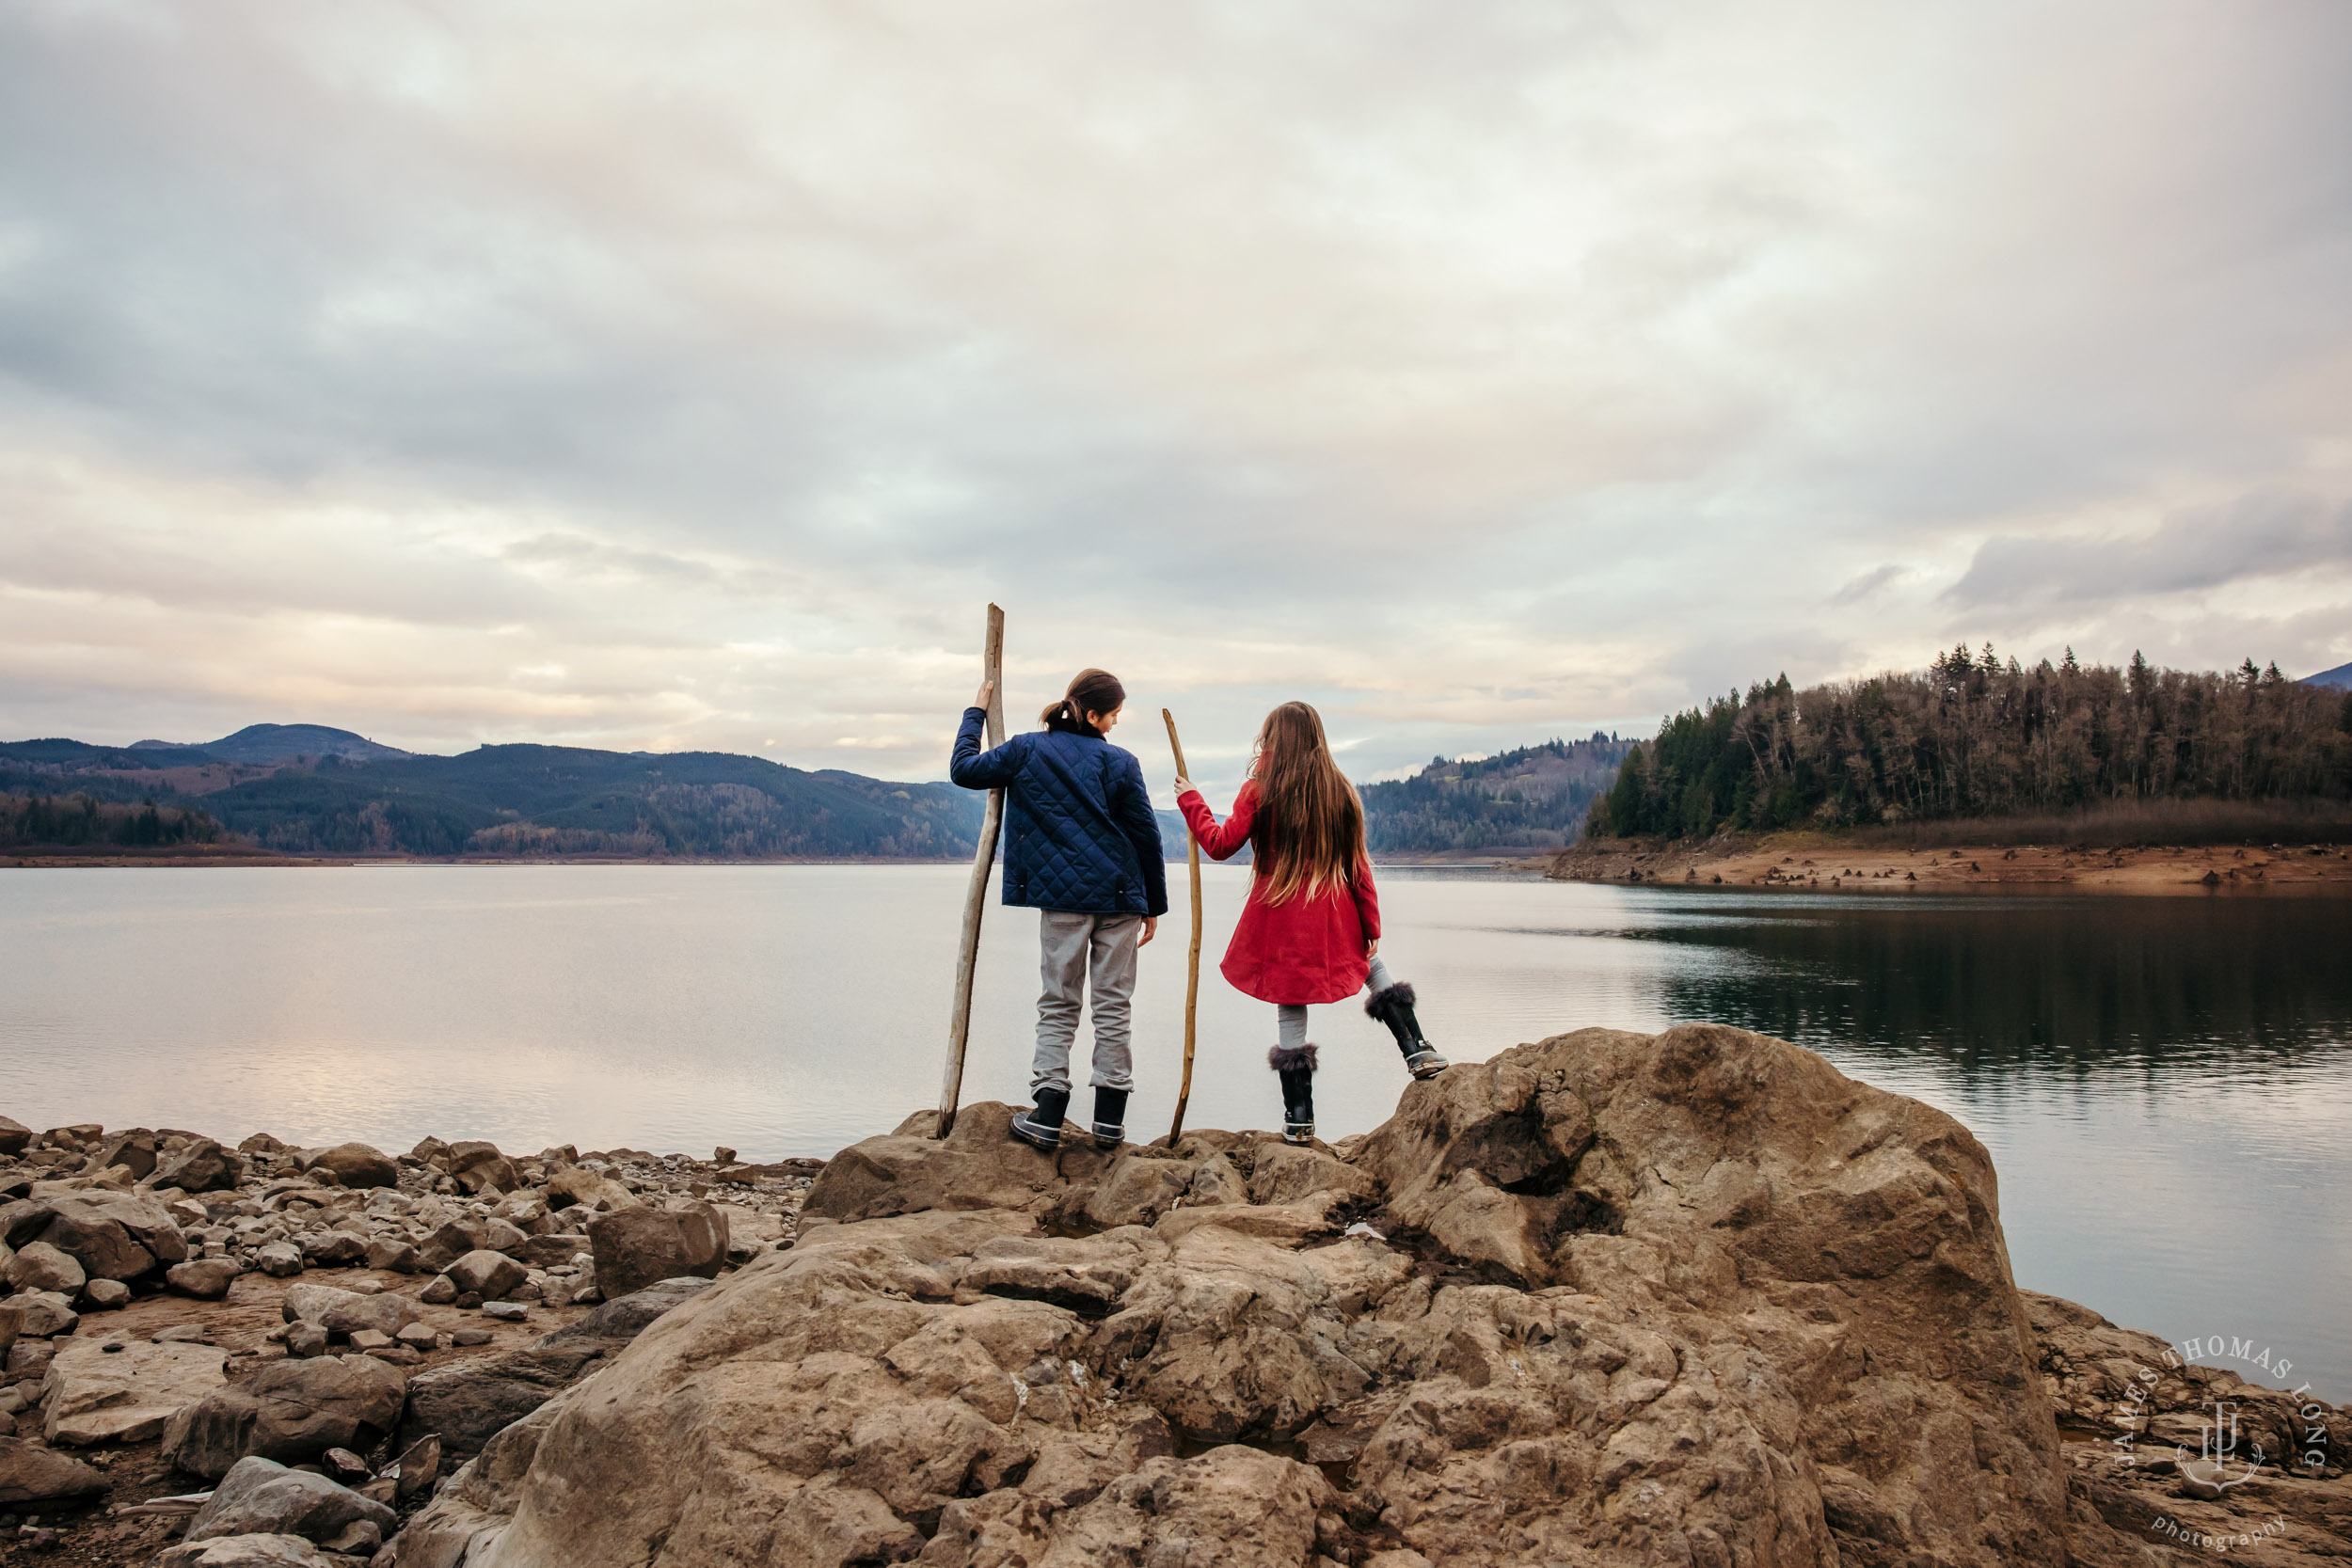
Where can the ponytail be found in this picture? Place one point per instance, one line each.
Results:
(1092, 691)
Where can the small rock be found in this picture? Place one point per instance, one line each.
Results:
(14, 1137)
(36, 1315)
(105, 1295)
(349, 1311)
(418, 1467)
(206, 1278)
(361, 1536)
(490, 1274)
(470, 1337)
(396, 1256)
(499, 1236)
(370, 1338)
(247, 1551)
(30, 1473)
(279, 1260)
(260, 1497)
(359, 1165)
(203, 1167)
(439, 1292)
(418, 1337)
(636, 1246)
(506, 1311)
(182, 1333)
(303, 1340)
(334, 1249)
(344, 1466)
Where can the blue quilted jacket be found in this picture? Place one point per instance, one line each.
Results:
(1079, 833)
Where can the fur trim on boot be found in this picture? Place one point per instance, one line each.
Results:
(1282, 1058)
(1378, 1003)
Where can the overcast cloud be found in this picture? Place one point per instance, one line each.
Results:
(655, 378)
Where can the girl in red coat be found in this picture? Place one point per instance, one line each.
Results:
(1311, 931)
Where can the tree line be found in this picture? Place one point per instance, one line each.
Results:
(1975, 736)
(79, 819)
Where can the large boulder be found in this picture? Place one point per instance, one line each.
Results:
(260, 1497)
(126, 1392)
(14, 1137)
(357, 1165)
(203, 1166)
(634, 1248)
(1693, 1298)
(290, 1411)
(113, 1235)
(32, 1474)
(40, 1266)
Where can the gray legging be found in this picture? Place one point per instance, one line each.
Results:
(1290, 1018)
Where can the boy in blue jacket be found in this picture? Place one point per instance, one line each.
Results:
(1082, 846)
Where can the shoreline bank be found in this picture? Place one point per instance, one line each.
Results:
(1820, 863)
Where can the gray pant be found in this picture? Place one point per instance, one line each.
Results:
(1290, 1018)
(1075, 946)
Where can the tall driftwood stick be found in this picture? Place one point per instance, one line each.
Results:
(1192, 960)
(976, 897)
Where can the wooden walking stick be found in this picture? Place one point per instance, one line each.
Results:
(1192, 962)
(976, 897)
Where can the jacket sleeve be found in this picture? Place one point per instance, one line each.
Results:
(1367, 899)
(1131, 804)
(1220, 840)
(976, 769)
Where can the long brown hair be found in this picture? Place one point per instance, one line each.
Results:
(1090, 691)
(1310, 832)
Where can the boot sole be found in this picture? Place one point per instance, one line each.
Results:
(1036, 1140)
(1427, 1069)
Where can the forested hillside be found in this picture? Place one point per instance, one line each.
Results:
(1533, 797)
(1975, 736)
(509, 801)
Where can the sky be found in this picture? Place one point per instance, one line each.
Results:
(662, 378)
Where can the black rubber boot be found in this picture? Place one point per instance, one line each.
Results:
(1110, 1116)
(1295, 1067)
(1042, 1127)
(1394, 1007)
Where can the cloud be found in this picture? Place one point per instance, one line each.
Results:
(2261, 535)
(1480, 375)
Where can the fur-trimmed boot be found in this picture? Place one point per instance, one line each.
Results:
(1110, 1116)
(1295, 1067)
(1394, 1007)
(1041, 1128)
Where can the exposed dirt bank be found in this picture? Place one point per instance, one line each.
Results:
(1822, 862)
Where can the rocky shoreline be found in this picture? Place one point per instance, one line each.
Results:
(1609, 1299)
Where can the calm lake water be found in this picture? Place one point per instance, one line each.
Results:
(2166, 1083)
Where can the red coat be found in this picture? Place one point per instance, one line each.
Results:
(1307, 949)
